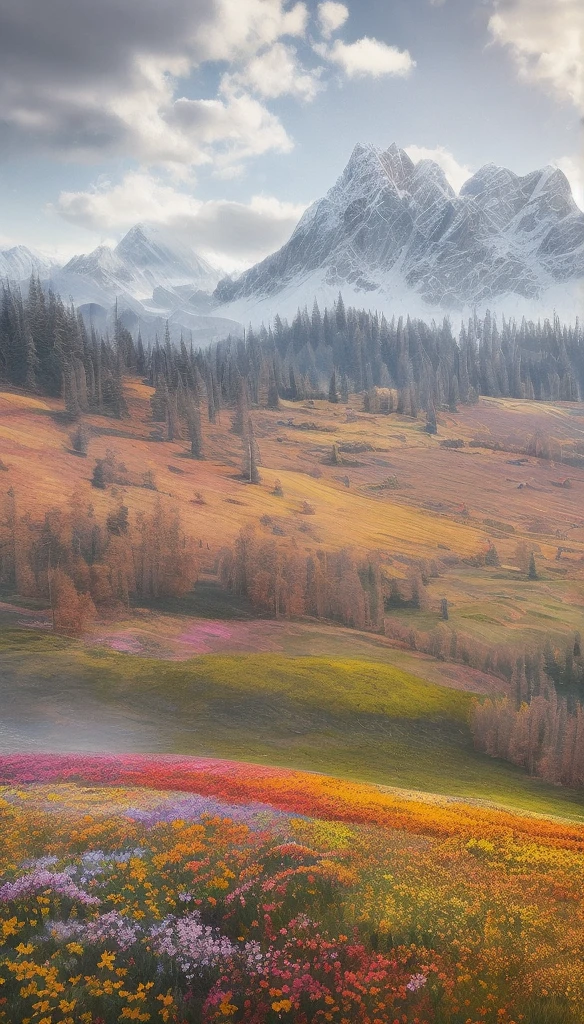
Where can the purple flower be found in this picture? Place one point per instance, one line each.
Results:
(194, 807)
(191, 944)
(41, 881)
(41, 862)
(416, 982)
(111, 927)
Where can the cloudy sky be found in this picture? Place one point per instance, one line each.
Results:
(223, 119)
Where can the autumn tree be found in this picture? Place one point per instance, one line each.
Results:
(71, 611)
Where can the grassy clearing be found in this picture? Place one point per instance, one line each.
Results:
(354, 720)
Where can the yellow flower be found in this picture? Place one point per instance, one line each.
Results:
(74, 947)
(166, 1000)
(11, 927)
(22, 948)
(107, 961)
(285, 1004)
(227, 1008)
(65, 1006)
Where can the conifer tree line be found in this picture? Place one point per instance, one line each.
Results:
(539, 726)
(46, 347)
(400, 365)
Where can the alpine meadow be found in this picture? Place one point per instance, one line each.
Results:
(291, 512)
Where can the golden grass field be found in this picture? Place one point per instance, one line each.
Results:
(448, 503)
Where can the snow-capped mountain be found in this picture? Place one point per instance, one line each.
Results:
(146, 259)
(393, 235)
(153, 277)
(159, 260)
(18, 263)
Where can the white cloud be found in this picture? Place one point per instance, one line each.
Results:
(546, 38)
(367, 57)
(138, 197)
(102, 79)
(231, 233)
(238, 29)
(574, 171)
(455, 172)
(235, 125)
(331, 17)
(278, 72)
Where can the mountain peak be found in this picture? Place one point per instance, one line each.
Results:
(553, 179)
(489, 177)
(363, 155)
(389, 228)
(18, 263)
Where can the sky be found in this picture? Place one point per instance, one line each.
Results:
(223, 119)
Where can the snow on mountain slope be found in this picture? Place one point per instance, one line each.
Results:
(393, 235)
(18, 263)
(151, 275)
(156, 259)
(145, 259)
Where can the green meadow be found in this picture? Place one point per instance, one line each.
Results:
(349, 718)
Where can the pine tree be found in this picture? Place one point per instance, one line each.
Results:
(532, 570)
(251, 455)
(80, 440)
(492, 556)
(195, 429)
(333, 394)
(431, 424)
(273, 397)
(340, 314)
(316, 325)
(241, 418)
(141, 361)
(99, 478)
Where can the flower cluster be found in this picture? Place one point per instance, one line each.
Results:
(44, 882)
(191, 944)
(122, 902)
(290, 791)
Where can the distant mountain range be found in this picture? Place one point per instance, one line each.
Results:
(154, 277)
(18, 263)
(390, 235)
(393, 235)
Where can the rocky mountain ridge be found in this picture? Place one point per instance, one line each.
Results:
(390, 230)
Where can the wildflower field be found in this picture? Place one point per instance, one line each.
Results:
(188, 890)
